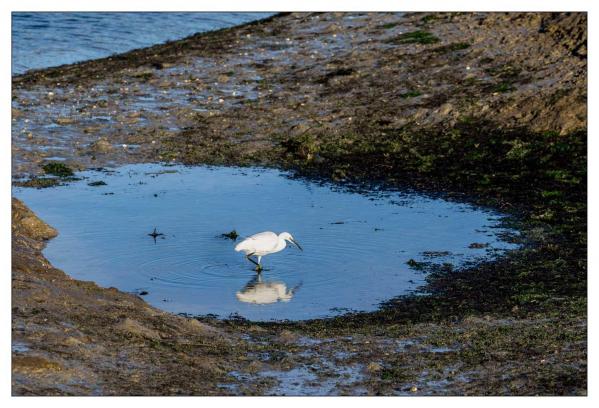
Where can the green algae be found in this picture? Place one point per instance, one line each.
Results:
(416, 37)
(57, 169)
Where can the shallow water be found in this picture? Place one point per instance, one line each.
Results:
(355, 245)
(41, 40)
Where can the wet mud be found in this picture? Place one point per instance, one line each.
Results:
(460, 104)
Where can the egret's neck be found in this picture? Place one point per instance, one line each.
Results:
(281, 244)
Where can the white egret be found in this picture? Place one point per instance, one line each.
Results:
(264, 243)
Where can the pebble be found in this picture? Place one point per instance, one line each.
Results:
(374, 367)
(287, 337)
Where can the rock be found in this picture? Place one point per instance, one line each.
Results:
(38, 229)
(198, 327)
(91, 129)
(16, 113)
(256, 329)
(72, 341)
(255, 366)
(131, 121)
(478, 245)
(134, 327)
(33, 227)
(33, 364)
(287, 337)
(101, 146)
(223, 79)
(374, 367)
(195, 325)
(445, 109)
(64, 121)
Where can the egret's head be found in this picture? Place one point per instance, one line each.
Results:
(289, 238)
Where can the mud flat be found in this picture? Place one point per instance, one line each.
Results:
(485, 107)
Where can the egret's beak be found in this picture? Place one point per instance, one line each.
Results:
(296, 244)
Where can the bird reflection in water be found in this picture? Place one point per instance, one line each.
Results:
(263, 292)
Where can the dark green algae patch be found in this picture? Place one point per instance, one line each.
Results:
(539, 178)
(415, 37)
(58, 169)
(56, 174)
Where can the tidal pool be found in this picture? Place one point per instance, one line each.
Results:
(357, 246)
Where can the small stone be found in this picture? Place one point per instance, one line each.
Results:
(445, 109)
(414, 388)
(34, 364)
(16, 113)
(256, 329)
(287, 337)
(477, 245)
(72, 341)
(134, 327)
(101, 146)
(374, 367)
(64, 121)
(255, 366)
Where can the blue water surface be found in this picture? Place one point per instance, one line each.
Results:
(357, 247)
(41, 40)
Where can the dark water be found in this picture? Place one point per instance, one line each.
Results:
(355, 246)
(41, 40)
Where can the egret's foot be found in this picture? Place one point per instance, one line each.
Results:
(259, 268)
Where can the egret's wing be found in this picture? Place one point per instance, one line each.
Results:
(261, 242)
(265, 236)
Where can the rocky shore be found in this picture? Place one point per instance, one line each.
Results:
(485, 107)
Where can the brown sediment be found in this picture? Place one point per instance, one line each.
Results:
(238, 95)
(83, 339)
(492, 105)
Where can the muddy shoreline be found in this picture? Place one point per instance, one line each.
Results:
(458, 103)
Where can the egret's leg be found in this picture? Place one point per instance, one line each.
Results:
(251, 260)
(259, 258)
